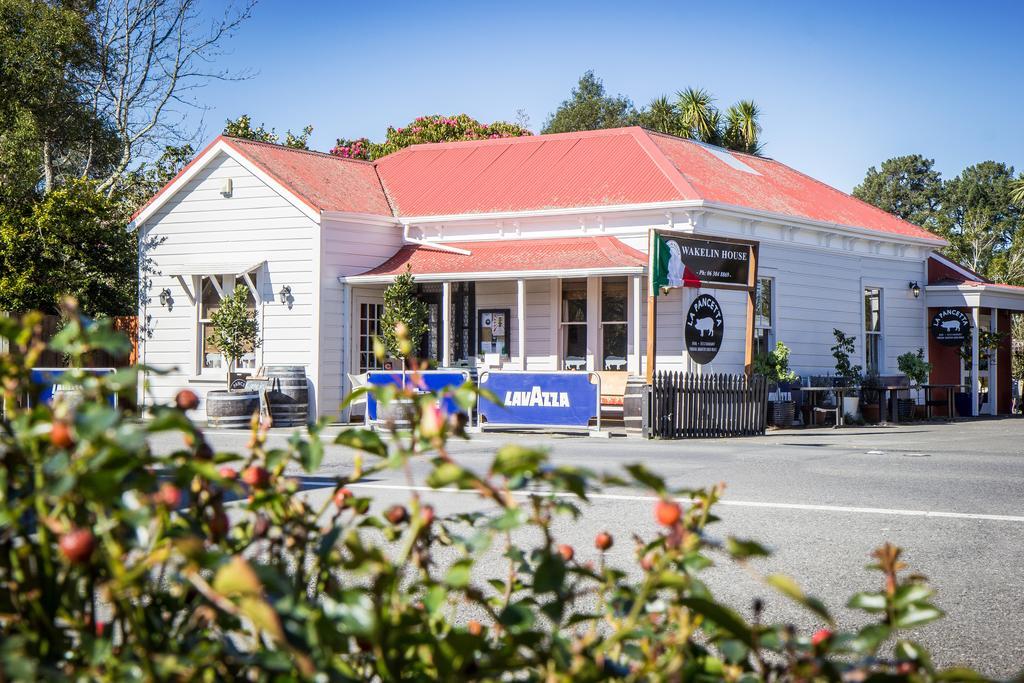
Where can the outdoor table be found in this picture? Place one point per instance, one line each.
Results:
(950, 404)
(821, 391)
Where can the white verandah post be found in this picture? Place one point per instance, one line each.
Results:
(633, 327)
(975, 379)
(521, 321)
(446, 324)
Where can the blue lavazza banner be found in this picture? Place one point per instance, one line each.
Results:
(427, 380)
(550, 399)
(50, 380)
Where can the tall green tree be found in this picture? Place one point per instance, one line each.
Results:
(402, 307)
(908, 187)
(72, 242)
(589, 107)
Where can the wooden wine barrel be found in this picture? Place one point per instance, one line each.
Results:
(288, 395)
(633, 405)
(231, 409)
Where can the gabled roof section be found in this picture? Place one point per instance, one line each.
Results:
(563, 254)
(316, 182)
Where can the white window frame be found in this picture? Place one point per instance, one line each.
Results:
(225, 282)
(378, 308)
(624, 323)
(562, 325)
(772, 307)
(864, 334)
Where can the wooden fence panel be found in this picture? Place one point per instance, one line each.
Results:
(702, 406)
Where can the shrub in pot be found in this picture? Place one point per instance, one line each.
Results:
(402, 325)
(871, 396)
(774, 367)
(847, 374)
(917, 370)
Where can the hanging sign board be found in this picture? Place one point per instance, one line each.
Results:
(549, 399)
(704, 329)
(951, 327)
(692, 262)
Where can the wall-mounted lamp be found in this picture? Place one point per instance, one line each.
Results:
(165, 297)
(916, 289)
(227, 187)
(285, 294)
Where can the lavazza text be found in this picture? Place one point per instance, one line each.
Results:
(536, 397)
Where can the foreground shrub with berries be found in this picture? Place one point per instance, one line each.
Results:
(119, 563)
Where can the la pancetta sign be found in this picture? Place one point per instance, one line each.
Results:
(704, 329)
(951, 327)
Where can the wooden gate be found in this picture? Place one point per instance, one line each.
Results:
(702, 406)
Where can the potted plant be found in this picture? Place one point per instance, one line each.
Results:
(235, 330)
(402, 324)
(847, 374)
(870, 395)
(774, 367)
(917, 370)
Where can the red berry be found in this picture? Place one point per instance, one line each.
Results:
(260, 526)
(168, 494)
(667, 512)
(219, 525)
(475, 628)
(647, 562)
(566, 552)
(431, 422)
(256, 476)
(820, 636)
(341, 497)
(77, 545)
(428, 515)
(396, 514)
(228, 472)
(604, 541)
(186, 399)
(60, 435)
(100, 628)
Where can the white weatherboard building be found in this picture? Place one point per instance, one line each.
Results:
(530, 252)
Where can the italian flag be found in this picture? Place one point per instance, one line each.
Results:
(660, 269)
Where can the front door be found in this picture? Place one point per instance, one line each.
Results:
(431, 343)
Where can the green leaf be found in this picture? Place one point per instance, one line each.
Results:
(916, 615)
(911, 592)
(435, 599)
(512, 518)
(353, 614)
(789, 587)
(517, 618)
(742, 549)
(311, 453)
(960, 674)
(459, 574)
(723, 617)
(869, 602)
(445, 474)
(550, 575)
(647, 478)
(363, 440)
(512, 460)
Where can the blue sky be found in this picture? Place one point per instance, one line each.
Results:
(842, 85)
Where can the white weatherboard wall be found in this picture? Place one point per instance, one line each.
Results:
(199, 226)
(349, 246)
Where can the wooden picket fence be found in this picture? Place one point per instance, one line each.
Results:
(702, 406)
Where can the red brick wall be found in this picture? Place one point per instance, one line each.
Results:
(1004, 366)
(945, 361)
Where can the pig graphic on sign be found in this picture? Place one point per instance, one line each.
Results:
(951, 325)
(705, 326)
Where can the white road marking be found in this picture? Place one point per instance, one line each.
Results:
(736, 503)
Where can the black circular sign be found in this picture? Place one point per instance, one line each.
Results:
(704, 329)
(951, 327)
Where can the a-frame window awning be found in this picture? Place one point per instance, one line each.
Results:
(238, 269)
(509, 259)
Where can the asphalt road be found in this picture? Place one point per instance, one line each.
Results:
(949, 494)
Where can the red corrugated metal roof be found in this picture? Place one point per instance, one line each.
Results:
(324, 181)
(562, 254)
(584, 169)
